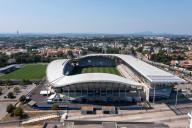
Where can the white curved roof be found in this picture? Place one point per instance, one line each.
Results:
(93, 77)
(56, 77)
(55, 70)
(153, 74)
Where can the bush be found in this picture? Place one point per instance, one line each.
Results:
(10, 108)
(10, 95)
(18, 112)
(55, 107)
(22, 99)
(16, 90)
(7, 82)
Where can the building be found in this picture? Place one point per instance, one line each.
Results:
(136, 81)
(12, 51)
(9, 68)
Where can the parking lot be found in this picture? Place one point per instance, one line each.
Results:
(23, 90)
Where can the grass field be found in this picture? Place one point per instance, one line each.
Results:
(27, 72)
(111, 70)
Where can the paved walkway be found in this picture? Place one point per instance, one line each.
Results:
(161, 113)
(41, 118)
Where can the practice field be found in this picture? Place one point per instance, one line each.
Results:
(111, 70)
(28, 72)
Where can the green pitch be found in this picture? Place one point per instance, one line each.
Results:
(27, 72)
(110, 70)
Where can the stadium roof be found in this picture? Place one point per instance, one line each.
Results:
(55, 70)
(56, 77)
(154, 75)
(151, 73)
(94, 77)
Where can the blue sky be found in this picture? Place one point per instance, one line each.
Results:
(96, 16)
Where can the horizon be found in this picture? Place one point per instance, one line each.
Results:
(147, 33)
(96, 17)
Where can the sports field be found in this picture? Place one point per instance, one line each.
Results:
(111, 70)
(27, 72)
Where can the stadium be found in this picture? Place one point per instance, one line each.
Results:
(109, 78)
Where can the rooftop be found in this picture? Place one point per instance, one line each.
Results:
(152, 74)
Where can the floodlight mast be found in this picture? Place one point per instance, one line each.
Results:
(190, 116)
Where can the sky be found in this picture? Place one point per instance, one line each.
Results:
(96, 16)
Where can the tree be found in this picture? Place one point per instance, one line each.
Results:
(3, 59)
(55, 107)
(145, 52)
(18, 112)
(22, 99)
(16, 90)
(113, 50)
(7, 83)
(24, 81)
(10, 95)
(36, 58)
(140, 49)
(70, 54)
(1, 91)
(84, 52)
(133, 52)
(161, 57)
(10, 108)
(95, 49)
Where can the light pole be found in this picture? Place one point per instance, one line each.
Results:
(190, 116)
(154, 94)
(176, 97)
(187, 89)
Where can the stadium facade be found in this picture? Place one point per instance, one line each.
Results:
(137, 81)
